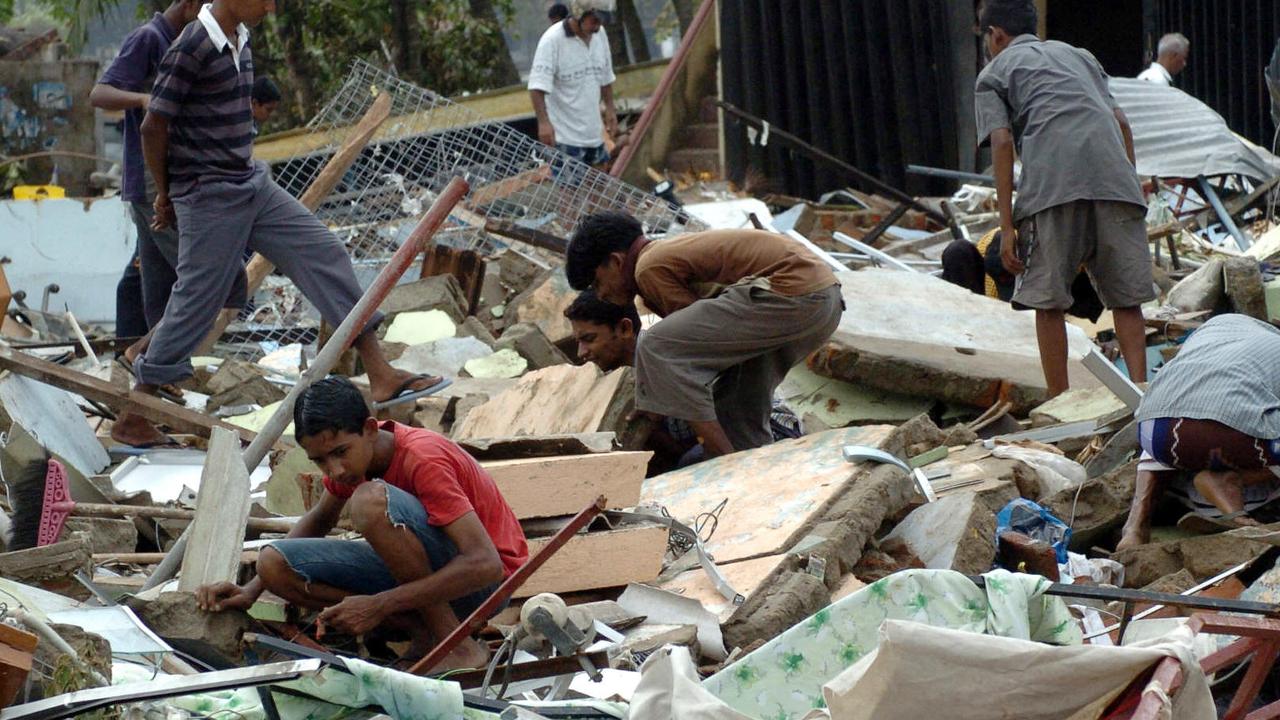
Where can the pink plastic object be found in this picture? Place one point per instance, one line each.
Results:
(57, 504)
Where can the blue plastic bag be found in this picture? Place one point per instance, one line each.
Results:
(1030, 519)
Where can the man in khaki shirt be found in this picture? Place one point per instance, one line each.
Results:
(739, 309)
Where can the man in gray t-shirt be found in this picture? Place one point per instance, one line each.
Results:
(1079, 199)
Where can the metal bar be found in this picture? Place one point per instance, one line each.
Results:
(537, 669)
(1168, 676)
(885, 223)
(481, 615)
(964, 177)
(879, 185)
(63, 706)
(1259, 668)
(328, 356)
(1224, 217)
(1117, 382)
(882, 258)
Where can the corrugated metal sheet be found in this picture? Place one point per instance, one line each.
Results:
(1231, 42)
(874, 82)
(1176, 135)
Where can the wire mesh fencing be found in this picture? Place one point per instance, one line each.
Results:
(521, 192)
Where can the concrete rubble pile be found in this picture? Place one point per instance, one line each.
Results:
(927, 430)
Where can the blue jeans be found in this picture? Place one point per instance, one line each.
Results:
(352, 565)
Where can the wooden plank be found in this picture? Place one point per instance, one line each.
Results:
(177, 418)
(466, 266)
(556, 400)
(745, 576)
(217, 532)
(555, 486)
(594, 560)
(486, 194)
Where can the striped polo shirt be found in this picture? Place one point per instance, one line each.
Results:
(205, 97)
(1229, 372)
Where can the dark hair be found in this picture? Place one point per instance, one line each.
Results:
(265, 91)
(962, 265)
(1015, 17)
(557, 12)
(597, 237)
(333, 404)
(588, 307)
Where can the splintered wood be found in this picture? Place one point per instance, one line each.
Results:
(554, 486)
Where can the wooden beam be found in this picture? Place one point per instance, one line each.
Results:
(217, 532)
(259, 267)
(486, 194)
(556, 400)
(175, 417)
(555, 486)
(537, 238)
(611, 558)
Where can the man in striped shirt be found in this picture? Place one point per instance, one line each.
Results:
(197, 139)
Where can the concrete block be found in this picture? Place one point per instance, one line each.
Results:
(445, 357)
(255, 391)
(795, 596)
(505, 363)
(955, 533)
(1242, 282)
(1099, 507)
(435, 413)
(175, 617)
(439, 292)
(519, 271)
(472, 327)
(106, 535)
(1203, 556)
(232, 374)
(532, 344)
(543, 304)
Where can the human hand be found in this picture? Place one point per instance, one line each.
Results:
(611, 124)
(546, 134)
(165, 217)
(355, 615)
(1009, 251)
(224, 596)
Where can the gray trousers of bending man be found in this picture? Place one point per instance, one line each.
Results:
(217, 221)
(722, 358)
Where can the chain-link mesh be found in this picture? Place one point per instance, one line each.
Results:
(516, 182)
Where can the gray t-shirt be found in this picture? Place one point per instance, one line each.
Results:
(1054, 97)
(1229, 372)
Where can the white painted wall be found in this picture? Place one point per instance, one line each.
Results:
(82, 245)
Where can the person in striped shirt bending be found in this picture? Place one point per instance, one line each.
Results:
(197, 139)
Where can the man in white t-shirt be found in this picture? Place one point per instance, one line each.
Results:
(572, 71)
(1171, 58)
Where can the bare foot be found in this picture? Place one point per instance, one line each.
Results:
(393, 384)
(469, 655)
(1224, 489)
(1132, 538)
(137, 431)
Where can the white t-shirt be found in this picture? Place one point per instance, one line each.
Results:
(1156, 74)
(571, 73)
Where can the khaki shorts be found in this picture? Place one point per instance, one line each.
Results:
(1108, 238)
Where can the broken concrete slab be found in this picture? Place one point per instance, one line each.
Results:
(520, 271)
(444, 357)
(1203, 556)
(1077, 405)
(543, 304)
(532, 344)
(1242, 282)
(795, 596)
(106, 535)
(177, 618)
(745, 576)
(255, 391)
(472, 327)
(51, 417)
(505, 363)
(437, 292)
(563, 399)
(231, 374)
(767, 510)
(978, 350)
(837, 404)
(1097, 509)
(955, 533)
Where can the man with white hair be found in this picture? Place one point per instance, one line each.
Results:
(1171, 58)
(572, 71)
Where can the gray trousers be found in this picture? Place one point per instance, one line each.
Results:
(722, 358)
(217, 221)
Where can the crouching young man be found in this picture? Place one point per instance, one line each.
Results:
(438, 536)
(739, 309)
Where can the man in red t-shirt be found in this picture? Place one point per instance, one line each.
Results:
(438, 536)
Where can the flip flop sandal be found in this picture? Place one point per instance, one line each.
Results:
(1204, 525)
(404, 394)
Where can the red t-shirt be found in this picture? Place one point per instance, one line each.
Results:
(449, 483)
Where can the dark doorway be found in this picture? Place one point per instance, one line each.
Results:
(1110, 29)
